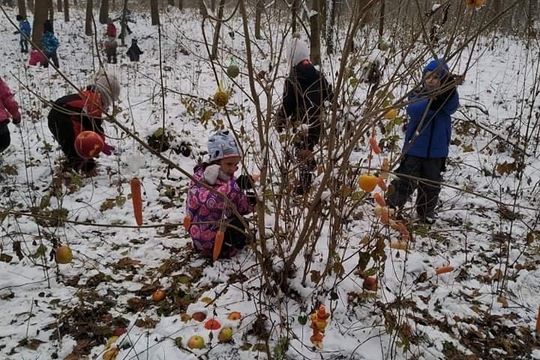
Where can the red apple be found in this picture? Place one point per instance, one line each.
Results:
(88, 144)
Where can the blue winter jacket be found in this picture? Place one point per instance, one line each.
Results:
(25, 29)
(49, 42)
(429, 129)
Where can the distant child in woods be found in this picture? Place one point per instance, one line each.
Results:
(306, 89)
(427, 139)
(111, 29)
(111, 46)
(134, 52)
(25, 31)
(9, 108)
(209, 211)
(50, 43)
(72, 114)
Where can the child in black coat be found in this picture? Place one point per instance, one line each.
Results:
(134, 52)
(306, 89)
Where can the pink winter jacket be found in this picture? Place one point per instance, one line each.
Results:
(8, 105)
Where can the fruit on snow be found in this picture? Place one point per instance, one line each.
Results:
(199, 316)
(195, 342)
(158, 295)
(367, 182)
(370, 283)
(233, 71)
(221, 98)
(225, 335)
(88, 144)
(235, 315)
(64, 255)
(212, 324)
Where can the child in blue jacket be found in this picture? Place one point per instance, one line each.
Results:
(50, 43)
(25, 31)
(427, 139)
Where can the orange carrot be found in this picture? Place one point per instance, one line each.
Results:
(538, 321)
(187, 222)
(443, 269)
(218, 243)
(382, 184)
(374, 146)
(136, 199)
(379, 199)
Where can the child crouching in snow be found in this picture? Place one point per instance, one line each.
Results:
(212, 210)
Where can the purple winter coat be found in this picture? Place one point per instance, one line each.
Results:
(8, 106)
(209, 209)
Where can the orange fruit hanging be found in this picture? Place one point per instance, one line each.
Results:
(367, 182)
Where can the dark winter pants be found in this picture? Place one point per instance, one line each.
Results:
(304, 146)
(112, 59)
(61, 127)
(233, 238)
(5, 138)
(24, 45)
(415, 169)
(52, 56)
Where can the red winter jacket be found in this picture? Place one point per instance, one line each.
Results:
(84, 111)
(8, 106)
(111, 30)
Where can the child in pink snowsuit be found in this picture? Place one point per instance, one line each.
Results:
(208, 209)
(9, 108)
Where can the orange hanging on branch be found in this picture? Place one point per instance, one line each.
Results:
(381, 182)
(136, 198)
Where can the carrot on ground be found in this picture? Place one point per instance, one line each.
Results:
(187, 222)
(443, 269)
(136, 198)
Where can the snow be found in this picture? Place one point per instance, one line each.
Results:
(116, 262)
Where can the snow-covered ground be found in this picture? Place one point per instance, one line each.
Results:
(486, 308)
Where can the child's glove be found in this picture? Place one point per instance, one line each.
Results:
(16, 121)
(252, 198)
(245, 182)
(108, 149)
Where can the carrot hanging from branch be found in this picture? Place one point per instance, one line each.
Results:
(218, 244)
(136, 198)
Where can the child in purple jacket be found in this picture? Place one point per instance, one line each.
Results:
(208, 209)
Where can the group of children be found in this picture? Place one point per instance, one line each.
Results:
(218, 201)
(111, 45)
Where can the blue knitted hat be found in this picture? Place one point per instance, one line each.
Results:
(222, 145)
(439, 66)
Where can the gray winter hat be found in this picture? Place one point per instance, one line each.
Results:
(222, 145)
(108, 87)
(298, 51)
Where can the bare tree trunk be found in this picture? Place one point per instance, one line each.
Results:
(88, 28)
(215, 42)
(202, 8)
(40, 15)
(104, 12)
(181, 4)
(66, 10)
(22, 8)
(294, 14)
(532, 19)
(315, 27)
(154, 12)
(51, 9)
(381, 19)
(30, 5)
(213, 6)
(330, 26)
(258, 14)
(75, 3)
(123, 27)
(171, 2)
(59, 5)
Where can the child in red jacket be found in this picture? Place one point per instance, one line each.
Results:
(9, 108)
(75, 113)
